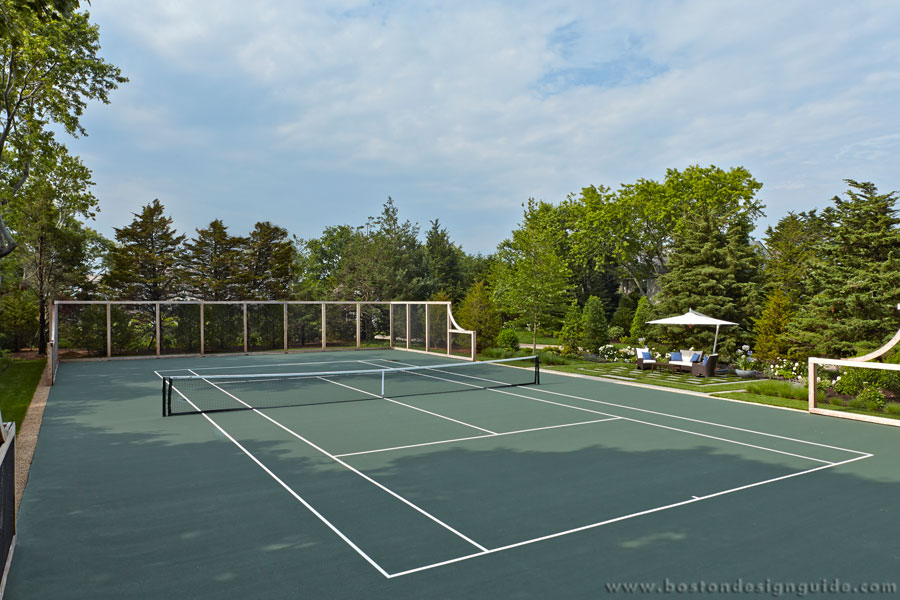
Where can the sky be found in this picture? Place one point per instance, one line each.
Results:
(311, 113)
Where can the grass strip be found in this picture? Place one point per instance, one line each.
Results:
(17, 385)
(769, 400)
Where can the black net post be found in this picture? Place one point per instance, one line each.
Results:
(164, 396)
(537, 369)
(169, 398)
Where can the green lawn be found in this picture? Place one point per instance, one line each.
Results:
(526, 337)
(17, 385)
(770, 400)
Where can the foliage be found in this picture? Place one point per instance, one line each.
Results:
(787, 369)
(594, 328)
(616, 333)
(18, 320)
(570, 335)
(143, 264)
(477, 312)
(871, 397)
(17, 385)
(531, 279)
(545, 356)
(444, 262)
(624, 314)
(642, 314)
(854, 283)
(211, 264)
(507, 338)
(50, 71)
(771, 326)
(779, 389)
(744, 359)
(892, 408)
(268, 261)
(790, 248)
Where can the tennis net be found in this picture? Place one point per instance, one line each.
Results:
(209, 393)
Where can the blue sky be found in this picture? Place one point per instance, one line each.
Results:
(311, 114)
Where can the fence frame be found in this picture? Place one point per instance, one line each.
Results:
(451, 326)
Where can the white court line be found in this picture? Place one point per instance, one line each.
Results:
(644, 410)
(289, 490)
(622, 518)
(476, 437)
(407, 406)
(351, 468)
(704, 435)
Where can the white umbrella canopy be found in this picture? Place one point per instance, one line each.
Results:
(692, 317)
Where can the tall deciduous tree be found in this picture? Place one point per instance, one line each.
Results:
(854, 283)
(532, 280)
(143, 264)
(50, 71)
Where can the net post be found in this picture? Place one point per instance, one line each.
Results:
(108, 330)
(811, 381)
(158, 327)
(537, 369)
(448, 329)
(407, 326)
(382, 383)
(427, 329)
(164, 397)
(169, 398)
(202, 329)
(284, 307)
(358, 330)
(245, 327)
(391, 324)
(323, 326)
(473, 349)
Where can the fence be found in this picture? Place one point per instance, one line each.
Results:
(81, 329)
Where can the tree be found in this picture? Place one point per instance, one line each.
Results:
(212, 266)
(269, 262)
(478, 313)
(570, 334)
(853, 286)
(791, 246)
(143, 264)
(57, 251)
(624, 314)
(594, 327)
(531, 279)
(444, 261)
(643, 313)
(50, 72)
(772, 325)
(318, 261)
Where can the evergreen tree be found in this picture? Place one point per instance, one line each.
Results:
(212, 264)
(594, 327)
(143, 263)
(624, 314)
(791, 246)
(643, 313)
(854, 282)
(444, 262)
(714, 270)
(570, 335)
(268, 262)
(771, 326)
(478, 313)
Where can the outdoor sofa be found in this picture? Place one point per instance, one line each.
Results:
(686, 359)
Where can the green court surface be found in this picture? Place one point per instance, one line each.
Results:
(440, 489)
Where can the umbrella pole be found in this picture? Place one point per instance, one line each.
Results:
(716, 340)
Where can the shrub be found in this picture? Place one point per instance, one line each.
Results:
(616, 332)
(871, 397)
(851, 381)
(508, 339)
(570, 334)
(642, 314)
(892, 408)
(608, 353)
(781, 389)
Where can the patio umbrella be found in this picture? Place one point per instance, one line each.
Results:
(692, 317)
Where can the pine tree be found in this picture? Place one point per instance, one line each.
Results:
(444, 262)
(594, 327)
(570, 334)
(268, 263)
(143, 262)
(477, 312)
(624, 314)
(212, 264)
(854, 282)
(771, 326)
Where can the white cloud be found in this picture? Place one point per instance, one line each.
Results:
(480, 105)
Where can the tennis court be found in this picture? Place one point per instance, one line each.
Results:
(350, 474)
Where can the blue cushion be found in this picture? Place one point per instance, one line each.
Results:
(705, 360)
(695, 357)
(645, 355)
(675, 356)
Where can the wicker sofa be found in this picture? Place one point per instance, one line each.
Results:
(706, 367)
(644, 363)
(685, 363)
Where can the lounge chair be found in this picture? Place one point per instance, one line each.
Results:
(644, 363)
(686, 359)
(707, 367)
